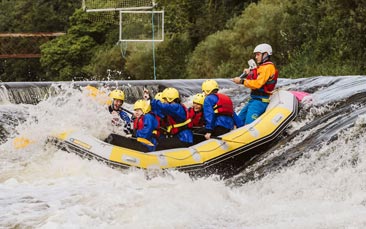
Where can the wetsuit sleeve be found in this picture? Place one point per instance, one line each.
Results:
(174, 110)
(127, 122)
(209, 113)
(150, 124)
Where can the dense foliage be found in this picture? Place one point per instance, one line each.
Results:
(203, 39)
(27, 16)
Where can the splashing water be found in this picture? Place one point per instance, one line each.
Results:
(324, 187)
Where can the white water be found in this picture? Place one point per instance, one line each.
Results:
(43, 187)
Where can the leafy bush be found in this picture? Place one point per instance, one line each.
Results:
(225, 53)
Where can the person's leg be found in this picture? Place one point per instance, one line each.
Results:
(198, 135)
(219, 130)
(243, 113)
(170, 143)
(255, 109)
(125, 142)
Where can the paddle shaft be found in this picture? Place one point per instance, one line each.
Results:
(130, 112)
(252, 65)
(143, 140)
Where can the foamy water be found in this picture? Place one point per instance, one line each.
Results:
(44, 187)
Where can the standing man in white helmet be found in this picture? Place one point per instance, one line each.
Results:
(261, 80)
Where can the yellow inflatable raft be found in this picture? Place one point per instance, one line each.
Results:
(222, 155)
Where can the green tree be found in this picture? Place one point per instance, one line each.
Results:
(328, 41)
(205, 39)
(31, 16)
(225, 53)
(171, 58)
(67, 57)
(187, 23)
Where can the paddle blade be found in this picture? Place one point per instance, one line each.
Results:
(145, 141)
(21, 142)
(99, 96)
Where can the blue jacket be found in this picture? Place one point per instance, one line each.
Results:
(157, 112)
(213, 120)
(127, 125)
(178, 113)
(150, 124)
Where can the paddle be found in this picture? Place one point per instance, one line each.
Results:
(252, 65)
(221, 138)
(119, 140)
(130, 112)
(21, 142)
(143, 140)
(99, 96)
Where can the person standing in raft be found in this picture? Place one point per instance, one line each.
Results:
(218, 111)
(176, 118)
(120, 116)
(145, 126)
(261, 80)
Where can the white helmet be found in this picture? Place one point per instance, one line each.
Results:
(262, 48)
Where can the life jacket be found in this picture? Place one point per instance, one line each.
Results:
(157, 131)
(269, 86)
(224, 105)
(138, 124)
(163, 124)
(174, 127)
(196, 118)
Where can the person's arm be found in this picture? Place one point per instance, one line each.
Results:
(150, 124)
(263, 74)
(209, 114)
(124, 116)
(127, 122)
(175, 110)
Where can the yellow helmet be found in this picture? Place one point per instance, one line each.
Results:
(143, 105)
(159, 96)
(209, 85)
(199, 98)
(117, 94)
(170, 94)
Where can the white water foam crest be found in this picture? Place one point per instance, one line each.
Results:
(70, 109)
(324, 189)
(71, 191)
(44, 187)
(321, 191)
(4, 96)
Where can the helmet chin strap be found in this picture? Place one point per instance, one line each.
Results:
(264, 58)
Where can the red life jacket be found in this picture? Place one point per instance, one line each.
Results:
(269, 86)
(224, 105)
(174, 127)
(163, 124)
(196, 118)
(138, 124)
(157, 131)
